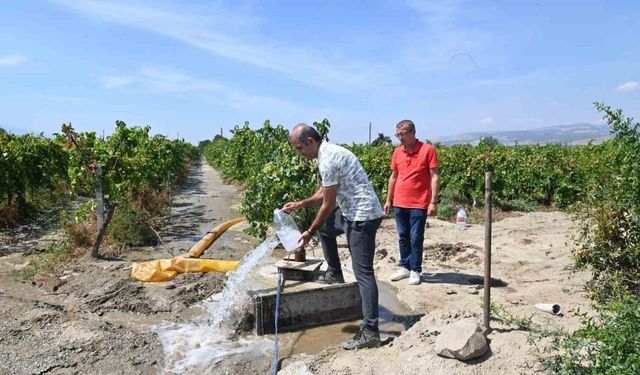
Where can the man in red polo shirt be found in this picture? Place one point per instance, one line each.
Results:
(413, 192)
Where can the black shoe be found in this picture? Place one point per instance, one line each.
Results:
(331, 276)
(365, 338)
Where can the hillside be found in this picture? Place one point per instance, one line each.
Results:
(571, 134)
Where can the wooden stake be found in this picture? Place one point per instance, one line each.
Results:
(487, 252)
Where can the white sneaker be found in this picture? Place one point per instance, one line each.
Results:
(401, 273)
(414, 278)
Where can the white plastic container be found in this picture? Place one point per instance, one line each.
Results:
(286, 229)
(461, 219)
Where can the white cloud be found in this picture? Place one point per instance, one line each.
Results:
(628, 86)
(112, 82)
(163, 80)
(61, 98)
(439, 13)
(445, 39)
(486, 121)
(229, 34)
(9, 60)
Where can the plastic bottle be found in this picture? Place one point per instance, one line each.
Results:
(461, 219)
(286, 229)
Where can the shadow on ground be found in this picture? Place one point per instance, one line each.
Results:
(460, 279)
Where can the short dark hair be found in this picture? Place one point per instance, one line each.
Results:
(307, 131)
(406, 122)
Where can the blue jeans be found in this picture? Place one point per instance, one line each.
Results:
(410, 224)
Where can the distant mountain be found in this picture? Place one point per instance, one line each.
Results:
(571, 134)
(4, 128)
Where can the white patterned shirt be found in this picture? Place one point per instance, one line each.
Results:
(356, 197)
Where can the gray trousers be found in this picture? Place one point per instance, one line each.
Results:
(361, 237)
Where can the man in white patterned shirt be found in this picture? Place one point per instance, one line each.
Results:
(358, 214)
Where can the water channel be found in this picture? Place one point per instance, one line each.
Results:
(203, 341)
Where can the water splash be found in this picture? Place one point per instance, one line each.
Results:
(199, 346)
(236, 286)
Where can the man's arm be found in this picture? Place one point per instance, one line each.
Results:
(390, 188)
(435, 189)
(313, 200)
(329, 194)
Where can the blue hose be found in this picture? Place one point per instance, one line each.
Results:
(275, 351)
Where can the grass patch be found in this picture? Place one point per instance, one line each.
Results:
(508, 318)
(605, 344)
(51, 262)
(519, 204)
(130, 226)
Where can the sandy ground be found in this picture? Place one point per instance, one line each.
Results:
(92, 319)
(530, 264)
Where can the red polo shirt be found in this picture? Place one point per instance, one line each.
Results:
(413, 185)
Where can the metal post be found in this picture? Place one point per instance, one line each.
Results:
(487, 252)
(99, 209)
(369, 133)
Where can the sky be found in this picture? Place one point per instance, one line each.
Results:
(191, 69)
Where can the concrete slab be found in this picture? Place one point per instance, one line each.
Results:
(303, 304)
(301, 271)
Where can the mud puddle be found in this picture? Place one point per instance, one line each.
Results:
(395, 317)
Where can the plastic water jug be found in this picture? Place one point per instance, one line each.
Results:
(286, 229)
(461, 219)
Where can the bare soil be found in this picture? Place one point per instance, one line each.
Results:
(530, 264)
(91, 318)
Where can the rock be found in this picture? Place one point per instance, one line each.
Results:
(381, 254)
(462, 340)
(296, 368)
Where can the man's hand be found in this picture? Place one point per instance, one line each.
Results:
(292, 206)
(432, 210)
(387, 207)
(304, 238)
(390, 189)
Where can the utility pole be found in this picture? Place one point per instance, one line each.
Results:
(221, 132)
(369, 132)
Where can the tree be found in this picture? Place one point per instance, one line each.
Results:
(489, 141)
(203, 144)
(382, 140)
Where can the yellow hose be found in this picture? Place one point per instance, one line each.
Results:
(206, 241)
(168, 269)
